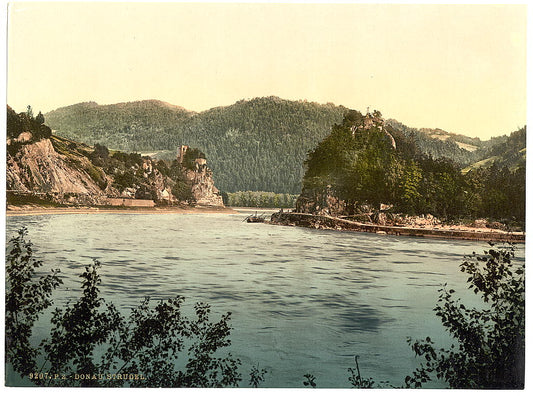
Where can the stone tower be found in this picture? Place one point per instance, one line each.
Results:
(181, 153)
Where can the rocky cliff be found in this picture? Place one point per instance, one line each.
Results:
(203, 188)
(37, 168)
(62, 171)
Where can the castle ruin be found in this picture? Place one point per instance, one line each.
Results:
(180, 154)
(374, 120)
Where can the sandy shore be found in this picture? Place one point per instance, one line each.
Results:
(30, 210)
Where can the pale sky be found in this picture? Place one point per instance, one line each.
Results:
(456, 67)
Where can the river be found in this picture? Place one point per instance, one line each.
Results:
(302, 300)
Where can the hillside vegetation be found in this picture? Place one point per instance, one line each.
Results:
(437, 143)
(257, 145)
(507, 151)
(253, 145)
(358, 167)
(63, 171)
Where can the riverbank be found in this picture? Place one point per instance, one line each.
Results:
(437, 231)
(33, 210)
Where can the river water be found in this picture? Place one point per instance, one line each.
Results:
(302, 300)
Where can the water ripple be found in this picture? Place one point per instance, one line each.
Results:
(300, 299)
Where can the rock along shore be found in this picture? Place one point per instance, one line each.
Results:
(335, 223)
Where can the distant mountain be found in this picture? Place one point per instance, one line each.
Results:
(257, 145)
(506, 151)
(438, 143)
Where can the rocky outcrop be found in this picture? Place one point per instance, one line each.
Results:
(204, 191)
(163, 189)
(198, 175)
(44, 167)
(37, 168)
(321, 203)
(335, 223)
(60, 171)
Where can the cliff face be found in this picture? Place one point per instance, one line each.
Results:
(204, 191)
(63, 171)
(37, 168)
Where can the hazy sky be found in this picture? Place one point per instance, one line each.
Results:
(460, 68)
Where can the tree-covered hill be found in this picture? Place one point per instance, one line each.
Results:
(127, 126)
(253, 145)
(438, 143)
(364, 165)
(257, 144)
(507, 151)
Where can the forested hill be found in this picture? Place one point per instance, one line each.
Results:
(257, 145)
(438, 143)
(363, 164)
(506, 151)
(131, 126)
(253, 145)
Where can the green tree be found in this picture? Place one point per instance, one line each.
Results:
(190, 156)
(490, 352)
(257, 376)
(91, 336)
(100, 151)
(409, 188)
(27, 296)
(182, 188)
(13, 123)
(125, 179)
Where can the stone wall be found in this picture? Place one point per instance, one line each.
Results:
(145, 203)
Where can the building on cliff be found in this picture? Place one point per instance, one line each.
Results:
(45, 168)
(180, 153)
(374, 120)
(203, 188)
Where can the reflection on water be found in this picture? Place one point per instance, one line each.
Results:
(301, 300)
